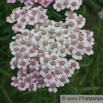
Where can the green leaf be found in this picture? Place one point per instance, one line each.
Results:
(90, 89)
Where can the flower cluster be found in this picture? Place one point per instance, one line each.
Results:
(58, 4)
(62, 4)
(101, 14)
(73, 21)
(11, 1)
(32, 79)
(27, 16)
(44, 3)
(40, 52)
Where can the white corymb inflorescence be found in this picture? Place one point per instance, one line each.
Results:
(45, 51)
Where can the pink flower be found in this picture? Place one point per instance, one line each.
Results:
(15, 81)
(11, 1)
(41, 82)
(33, 64)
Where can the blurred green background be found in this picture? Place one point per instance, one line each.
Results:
(87, 80)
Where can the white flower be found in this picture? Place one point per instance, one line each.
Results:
(31, 20)
(73, 64)
(58, 5)
(72, 24)
(74, 4)
(13, 63)
(77, 54)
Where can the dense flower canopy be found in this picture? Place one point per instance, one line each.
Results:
(41, 51)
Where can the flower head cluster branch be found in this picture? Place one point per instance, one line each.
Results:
(40, 53)
(44, 3)
(27, 16)
(101, 14)
(58, 4)
(69, 4)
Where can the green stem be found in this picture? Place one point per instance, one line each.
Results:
(6, 95)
